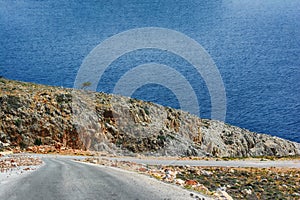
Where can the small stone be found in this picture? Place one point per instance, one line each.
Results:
(248, 191)
(143, 169)
(191, 182)
(94, 161)
(206, 173)
(264, 180)
(179, 182)
(222, 188)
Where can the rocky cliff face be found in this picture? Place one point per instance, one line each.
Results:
(33, 114)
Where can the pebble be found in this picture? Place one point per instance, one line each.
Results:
(248, 191)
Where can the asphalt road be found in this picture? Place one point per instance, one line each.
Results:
(63, 179)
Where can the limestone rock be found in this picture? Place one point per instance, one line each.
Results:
(96, 121)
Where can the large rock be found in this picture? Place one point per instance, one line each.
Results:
(97, 121)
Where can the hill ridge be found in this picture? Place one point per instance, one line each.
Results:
(32, 113)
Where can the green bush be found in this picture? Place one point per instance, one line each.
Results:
(18, 122)
(23, 145)
(38, 142)
(85, 84)
(146, 109)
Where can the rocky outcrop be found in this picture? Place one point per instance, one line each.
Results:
(32, 114)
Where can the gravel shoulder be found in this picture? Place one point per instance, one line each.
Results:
(15, 166)
(216, 163)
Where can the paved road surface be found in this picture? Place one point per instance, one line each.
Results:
(63, 179)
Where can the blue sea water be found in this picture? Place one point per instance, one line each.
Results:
(255, 45)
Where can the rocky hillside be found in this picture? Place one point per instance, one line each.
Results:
(32, 114)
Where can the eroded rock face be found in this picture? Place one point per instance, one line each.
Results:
(31, 114)
(233, 141)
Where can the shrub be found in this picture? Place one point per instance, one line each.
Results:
(18, 122)
(23, 145)
(85, 84)
(146, 109)
(38, 142)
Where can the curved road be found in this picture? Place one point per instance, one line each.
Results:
(63, 179)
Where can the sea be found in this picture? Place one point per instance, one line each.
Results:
(254, 44)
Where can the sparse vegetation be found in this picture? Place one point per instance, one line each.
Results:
(38, 142)
(23, 145)
(248, 183)
(18, 122)
(85, 85)
(146, 109)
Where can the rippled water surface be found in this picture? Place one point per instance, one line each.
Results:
(255, 45)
